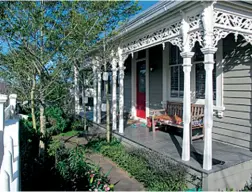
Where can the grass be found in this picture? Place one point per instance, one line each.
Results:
(147, 167)
(69, 133)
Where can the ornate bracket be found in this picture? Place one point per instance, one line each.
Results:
(226, 23)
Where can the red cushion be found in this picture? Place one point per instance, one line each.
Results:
(177, 120)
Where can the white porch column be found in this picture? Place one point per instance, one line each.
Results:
(133, 86)
(208, 115)
(95, 96)
(147, 85)
(114, 96)
(76, 90)
(99, 101)
(186, 105)
(187, 55)
(121, 92)
(208, 51)
(165, 74)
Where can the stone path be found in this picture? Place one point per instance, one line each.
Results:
(117, 176)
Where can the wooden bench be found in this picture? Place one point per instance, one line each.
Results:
(172, 117)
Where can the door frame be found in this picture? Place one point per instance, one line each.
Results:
(134, 88)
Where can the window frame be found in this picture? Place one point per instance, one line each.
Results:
(218, 102)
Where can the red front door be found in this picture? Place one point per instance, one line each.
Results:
(140, 105)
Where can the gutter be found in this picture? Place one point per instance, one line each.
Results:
(147, 16)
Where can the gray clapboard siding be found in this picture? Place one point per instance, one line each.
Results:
(234, 121)
(237, 107)
(232, 141)
(237, 73)
(237, 86)
(239, 101)
(232, 127)
(238, 94)
(233, 80)
(233, 134)
(238, 114)
(235, 127)
(155, 82)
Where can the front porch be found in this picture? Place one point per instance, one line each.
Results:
(231, 165)
(196, 55)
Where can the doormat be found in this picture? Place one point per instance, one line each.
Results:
(135, 123)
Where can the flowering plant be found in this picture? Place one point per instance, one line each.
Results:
(99, 182)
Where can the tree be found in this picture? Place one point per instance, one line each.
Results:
(44, 39)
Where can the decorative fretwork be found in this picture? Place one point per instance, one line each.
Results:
(248, 38)
(196, 36)
(236, 22)
(178, 41)
(219, 34)
(195, 21)
(226, 23)
(170, 34)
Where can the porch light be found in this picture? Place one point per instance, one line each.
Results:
(103, 107)
(86, 100)
(105, 76)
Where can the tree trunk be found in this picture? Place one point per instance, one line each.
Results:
(42, 124)
(33, 104)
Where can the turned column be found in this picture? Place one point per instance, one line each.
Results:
(208, 50)
(121, 90)
(208, 113)
(114, 96)
(99, 101)
(95, 95)
(186, 105)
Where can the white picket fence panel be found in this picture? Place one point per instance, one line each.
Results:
(9, 151)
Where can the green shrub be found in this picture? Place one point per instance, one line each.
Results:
(155, 171)
(56, 120)
(61, 169)
(77, 125)
(76, 171)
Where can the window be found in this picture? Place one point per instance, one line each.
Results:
(177, 74)
(197, 74)
(198, 62)
(200, 81)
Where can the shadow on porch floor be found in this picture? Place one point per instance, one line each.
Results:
(169, 144)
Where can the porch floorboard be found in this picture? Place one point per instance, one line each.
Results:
(169, 144)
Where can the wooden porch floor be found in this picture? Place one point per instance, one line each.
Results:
(169, 144)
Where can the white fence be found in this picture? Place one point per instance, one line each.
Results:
(9, 145)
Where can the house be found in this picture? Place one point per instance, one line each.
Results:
(188, 52)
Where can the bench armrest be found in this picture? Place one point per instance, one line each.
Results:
(153, 112)
(197, 116)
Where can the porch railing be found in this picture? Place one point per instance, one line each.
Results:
(9, 146)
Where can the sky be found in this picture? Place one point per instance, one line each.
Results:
(146, 4)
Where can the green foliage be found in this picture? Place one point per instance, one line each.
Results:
(248, 185)
(56, 120)
(69, 133)
(61, 169)
(155, 171)
(77, 125)
(77, 172)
